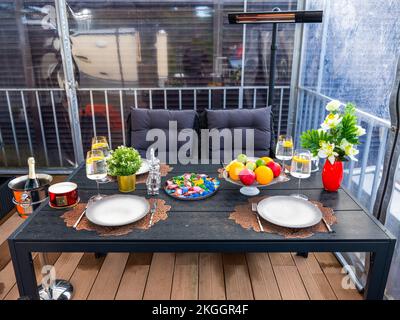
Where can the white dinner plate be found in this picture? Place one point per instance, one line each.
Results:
(117, 210)
(288, 211)
(144, 168)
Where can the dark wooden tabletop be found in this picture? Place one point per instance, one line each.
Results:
(207, 219)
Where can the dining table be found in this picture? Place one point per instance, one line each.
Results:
(204, 226)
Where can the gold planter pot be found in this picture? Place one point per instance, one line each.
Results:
(127, 183)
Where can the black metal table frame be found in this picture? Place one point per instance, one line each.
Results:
(382, 252)
(21, 253)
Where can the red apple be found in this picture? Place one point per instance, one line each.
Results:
(247, 177)
(275, 167)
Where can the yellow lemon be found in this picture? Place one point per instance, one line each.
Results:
(264, 175)
(266, 160)
(301, 160)
(287, 144)
(99, 145)
(229, 165)
(93, 159)
(234, 170)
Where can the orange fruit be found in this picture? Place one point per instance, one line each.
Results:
(234, 170)
(266, 160)
(264, 175)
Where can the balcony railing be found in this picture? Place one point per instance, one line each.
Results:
(17, 137)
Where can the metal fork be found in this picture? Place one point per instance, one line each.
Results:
(330, 230)
(254, 209)
(153, 210)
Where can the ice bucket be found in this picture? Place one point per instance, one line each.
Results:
(27, 201)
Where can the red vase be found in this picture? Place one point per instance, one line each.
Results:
(332, 175)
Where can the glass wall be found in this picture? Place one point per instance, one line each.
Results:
(257, 57)
(352, 57)
(171, 54)
(32, 122)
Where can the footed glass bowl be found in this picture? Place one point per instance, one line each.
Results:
(253, 189)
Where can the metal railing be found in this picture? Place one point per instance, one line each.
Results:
(236, 95)
(311, 113)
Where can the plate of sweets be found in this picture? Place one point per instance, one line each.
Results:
(191, 186)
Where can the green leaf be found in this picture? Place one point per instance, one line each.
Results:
(311, 140)
(348, 126)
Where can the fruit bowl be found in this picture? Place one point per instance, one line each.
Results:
(253, 188)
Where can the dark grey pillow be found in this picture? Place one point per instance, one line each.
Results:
(142, 120)
(242, 119)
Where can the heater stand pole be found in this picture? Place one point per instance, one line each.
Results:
(272, 64)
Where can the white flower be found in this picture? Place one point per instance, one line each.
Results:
(327, 150)
(344, 143)
(349, 149)
(334, 105)
(360, 131)
(331, 121)
(324, 127)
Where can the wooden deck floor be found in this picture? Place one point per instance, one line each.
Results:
(185, 275)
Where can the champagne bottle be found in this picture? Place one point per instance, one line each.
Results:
(32, 182)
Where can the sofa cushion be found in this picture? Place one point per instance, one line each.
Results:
(242, 119)
(143, 120)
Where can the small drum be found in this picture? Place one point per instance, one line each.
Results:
(63, 195)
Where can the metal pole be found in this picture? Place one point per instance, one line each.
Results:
(70, 84)
(272, 63)
(323, 46)
(241, 91)
(295, 94)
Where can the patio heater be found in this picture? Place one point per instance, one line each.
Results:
(275, 17)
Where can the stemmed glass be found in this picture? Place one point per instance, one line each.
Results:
(101, 143)
(284, 150)
(96, 169)
(301, 168)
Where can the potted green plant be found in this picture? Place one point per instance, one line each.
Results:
(336, 141)
(123, 163)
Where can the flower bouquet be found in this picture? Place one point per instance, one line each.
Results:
(336, 140)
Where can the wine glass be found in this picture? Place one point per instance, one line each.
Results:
(96, 169)
(301, 168)
(101, 143)
(284, 150)
(314, 164)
